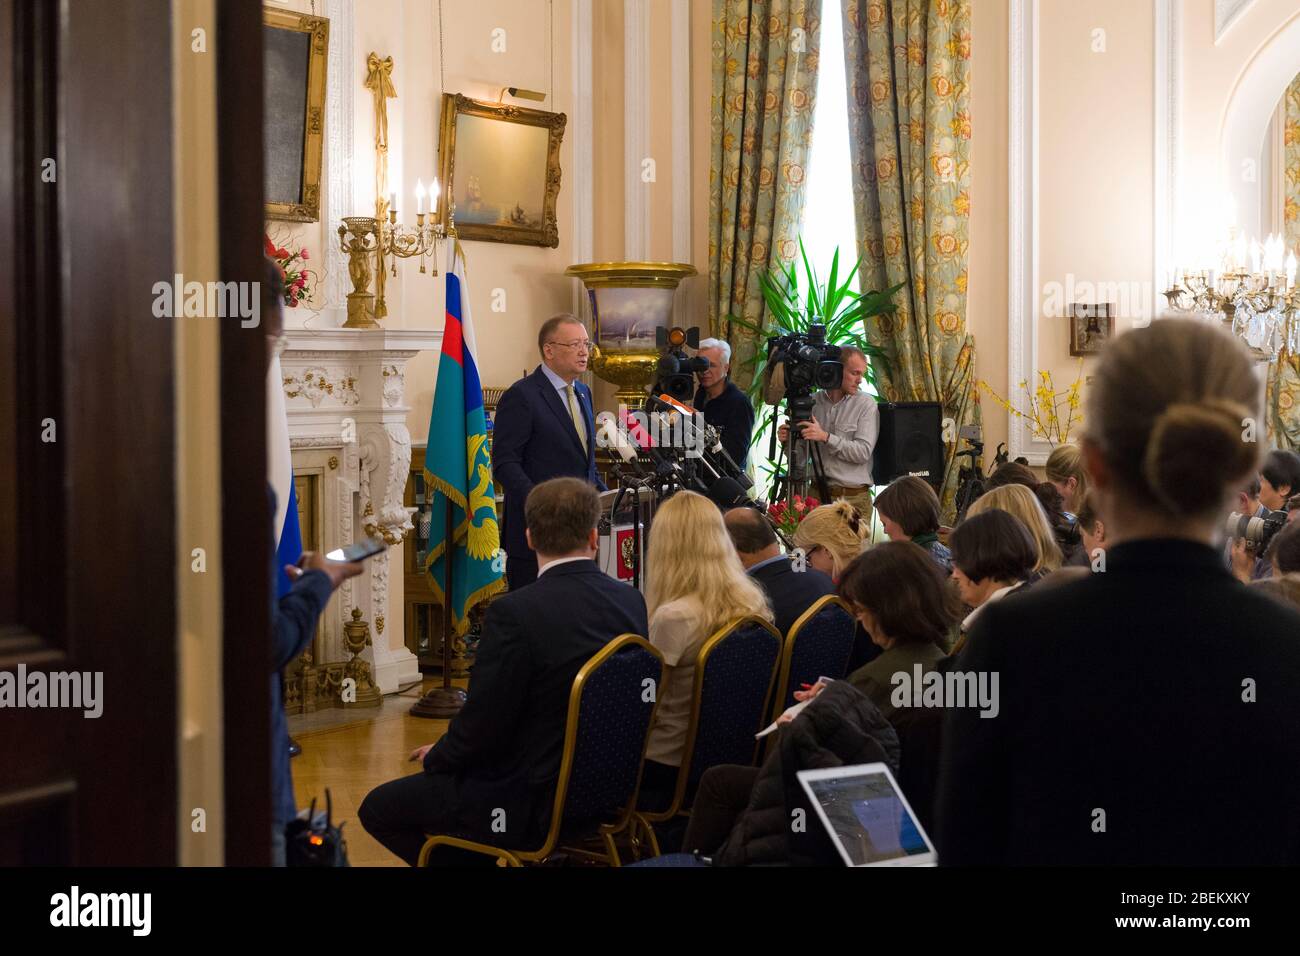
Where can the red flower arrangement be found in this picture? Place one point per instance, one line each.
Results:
(788, 516)
(298, 280)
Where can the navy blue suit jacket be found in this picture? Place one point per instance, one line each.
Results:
(791, 592)
(503, 749)
(293, 625)
(533, 440)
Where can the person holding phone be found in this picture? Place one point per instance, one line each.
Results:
(294, 616)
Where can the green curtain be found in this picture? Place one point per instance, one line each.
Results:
(908, 68)
(764, 87)
(1283, 396)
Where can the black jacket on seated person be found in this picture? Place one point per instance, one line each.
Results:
(840, 728)
(1147, 716)
(504, 746)
(791, 592)
(492, 776)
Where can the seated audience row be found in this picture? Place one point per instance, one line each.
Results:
(909, 510)
(1086, 668)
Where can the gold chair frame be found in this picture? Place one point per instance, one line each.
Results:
(607, 831)
(646, 818)
(787, 650)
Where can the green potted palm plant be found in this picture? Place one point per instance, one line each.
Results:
(791, 309)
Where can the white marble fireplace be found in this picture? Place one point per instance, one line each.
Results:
(345, 397)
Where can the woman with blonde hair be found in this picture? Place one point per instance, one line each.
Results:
(1022, 503)
(696, 585)
(831, 536)
(1157, 697)
(1065, 471)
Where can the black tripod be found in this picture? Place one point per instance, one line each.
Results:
(784, 484)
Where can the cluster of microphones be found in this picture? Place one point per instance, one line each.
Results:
(669, 447)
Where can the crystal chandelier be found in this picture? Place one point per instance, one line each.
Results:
(1256, 299)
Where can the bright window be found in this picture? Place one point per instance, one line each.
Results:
(828, 207)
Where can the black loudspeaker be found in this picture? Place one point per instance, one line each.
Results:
(910, 443)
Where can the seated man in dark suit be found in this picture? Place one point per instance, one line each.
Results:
(492, 776)
(544, 428)
(791, 592)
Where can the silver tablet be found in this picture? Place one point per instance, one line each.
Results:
(867, 816)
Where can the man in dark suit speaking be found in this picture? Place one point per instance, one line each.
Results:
(544, 428)
(492, 776)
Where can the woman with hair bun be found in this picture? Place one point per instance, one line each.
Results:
(831, 536)
(1148, 711)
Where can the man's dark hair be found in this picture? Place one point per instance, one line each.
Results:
(993, 544)
(550, 325)
(903, 588)
(912, 503)
(560, 515)
(1285, 548)
(1251, 488)
(1282, 469)
(749, 530)
(1012, 473)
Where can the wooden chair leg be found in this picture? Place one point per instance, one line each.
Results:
(650, 834)
(611, 847)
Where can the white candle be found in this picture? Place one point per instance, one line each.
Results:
(419, 198)
(392, 201)
(434, 192)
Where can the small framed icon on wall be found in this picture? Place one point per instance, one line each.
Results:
(1092, 325)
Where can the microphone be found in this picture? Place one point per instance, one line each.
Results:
(613, 438)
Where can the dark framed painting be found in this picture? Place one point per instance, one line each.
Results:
(296, 50)
(500, 168)
(1091, 327)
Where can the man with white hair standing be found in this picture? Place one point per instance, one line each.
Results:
(725, 406)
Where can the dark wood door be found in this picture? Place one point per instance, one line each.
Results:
(87, 509)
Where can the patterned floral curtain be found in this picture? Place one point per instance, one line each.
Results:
(764, 86)
(908, 69)
(1283, 398)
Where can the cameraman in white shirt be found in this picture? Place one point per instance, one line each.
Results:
(844, 428)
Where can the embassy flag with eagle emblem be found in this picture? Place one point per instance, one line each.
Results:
(457, 465)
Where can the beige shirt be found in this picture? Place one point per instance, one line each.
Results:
(853, 424)
(677, 631)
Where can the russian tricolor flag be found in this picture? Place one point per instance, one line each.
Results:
(458, 466)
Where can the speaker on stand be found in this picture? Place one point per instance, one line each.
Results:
(910, 443)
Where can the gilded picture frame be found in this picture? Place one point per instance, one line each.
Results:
(1091, 327)
(294, 124)
(509, 176)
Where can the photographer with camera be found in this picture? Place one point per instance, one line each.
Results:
(1250, 532)
(724, 405)
(843, 431)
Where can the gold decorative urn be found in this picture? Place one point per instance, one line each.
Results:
(630, 302)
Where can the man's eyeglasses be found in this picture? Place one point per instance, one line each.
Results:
(583, 346)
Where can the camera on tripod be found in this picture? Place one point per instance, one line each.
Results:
(797, 364)
(676, 370)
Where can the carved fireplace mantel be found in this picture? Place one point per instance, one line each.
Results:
(345, 397)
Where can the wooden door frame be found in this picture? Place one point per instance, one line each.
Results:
(245, 518)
